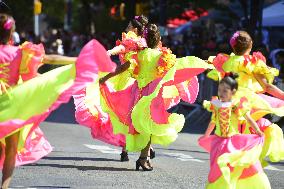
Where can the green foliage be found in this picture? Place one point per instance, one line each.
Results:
(54, 11)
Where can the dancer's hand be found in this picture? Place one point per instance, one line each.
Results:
(109, 53)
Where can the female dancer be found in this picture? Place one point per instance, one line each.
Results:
(139, 111)
(27, 98)
(88, 111)
(255, 79)
(234, 157)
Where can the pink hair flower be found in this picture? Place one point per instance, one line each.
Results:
(8, 24)
(233, 40)
(145, 33)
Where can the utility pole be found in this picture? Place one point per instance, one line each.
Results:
(37, 11)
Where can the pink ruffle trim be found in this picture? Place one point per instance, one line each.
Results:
(87, 66)
(100, 124)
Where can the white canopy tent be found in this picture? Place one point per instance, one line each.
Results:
(273, 15)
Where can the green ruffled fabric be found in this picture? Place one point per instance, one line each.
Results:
(36, 90)
(162, 134)
(45, 89)
(273, 145)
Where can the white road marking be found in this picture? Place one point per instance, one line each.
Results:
(179, 156)
(103, 149)
(272, 168)
(182, 157)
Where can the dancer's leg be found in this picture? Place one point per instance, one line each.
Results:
(10, 159)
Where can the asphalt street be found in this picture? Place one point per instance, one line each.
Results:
(78, 161)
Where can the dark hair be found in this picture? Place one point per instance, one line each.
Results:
(152, 36)
(242, 42)
(140, 23)
(230, 79)
(5, 34)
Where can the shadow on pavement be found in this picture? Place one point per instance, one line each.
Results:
(179, 150)
(78, 158)
(80, 168)
(277, 163)
(53, 187)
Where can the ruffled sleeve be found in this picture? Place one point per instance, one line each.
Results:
(218, 73)
(256, 64)
(166, 61)
(219, 61)
(215, 75)
(32, 56)
(131, 42)
(208, 105)
(261, 68)
(242, 107)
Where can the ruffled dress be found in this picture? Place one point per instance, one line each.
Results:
(27, 98)
(87, 102)
(88, 106)
(234, 157)
(139, 111)
(246, 66)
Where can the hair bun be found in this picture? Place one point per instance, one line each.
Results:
(143, 20)
(152, 29)
(152, 35)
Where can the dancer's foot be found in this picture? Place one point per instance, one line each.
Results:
(143, 162)
(149, 162)
(124, 156)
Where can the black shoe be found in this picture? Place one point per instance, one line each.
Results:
(139, 164)
(152, 153)
(124, 156)
(149, 162)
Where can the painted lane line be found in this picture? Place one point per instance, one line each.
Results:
(182, 157)
(103, 149)
(272, 168)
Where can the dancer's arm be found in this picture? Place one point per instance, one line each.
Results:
(58, 59)
(120, 69)
(116, 50)
(209, 129)
(253, 124)
(269, 88)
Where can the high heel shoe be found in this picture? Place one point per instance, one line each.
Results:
(124, 156)
(149, 162)
(139, 164)
(152, 153)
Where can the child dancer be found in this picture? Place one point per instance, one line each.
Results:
(27, 98)
(234, 157)
(255, 79)
(139, 111)
(88, 111)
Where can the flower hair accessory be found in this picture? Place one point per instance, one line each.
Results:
(137, 18)
(9, 24)
(145, 33)
(233, 40)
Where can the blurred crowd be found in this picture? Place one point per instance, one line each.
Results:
(201, 41)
